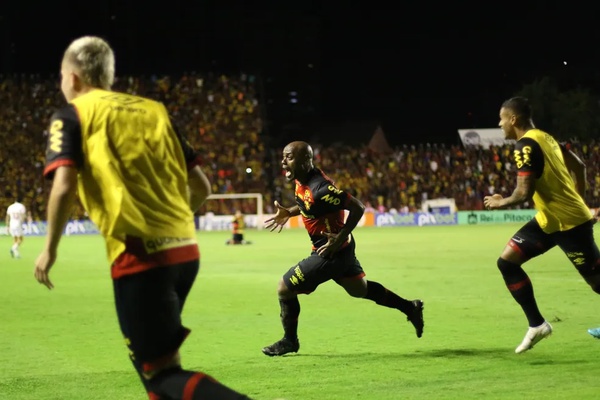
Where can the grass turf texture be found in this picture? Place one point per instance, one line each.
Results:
(66, 344)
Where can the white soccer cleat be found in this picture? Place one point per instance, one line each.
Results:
(533, 336)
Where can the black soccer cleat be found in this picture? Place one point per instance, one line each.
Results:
(416, 317)
(282, 347)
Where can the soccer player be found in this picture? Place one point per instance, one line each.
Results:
(322, 206)
(139, 181)
(238, 225)
(544, 174)
(15, 217)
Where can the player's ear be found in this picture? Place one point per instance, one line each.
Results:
(76, 82)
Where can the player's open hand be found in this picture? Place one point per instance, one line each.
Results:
(43, 264)
(492, 202)
(279, 219)
(332, 245)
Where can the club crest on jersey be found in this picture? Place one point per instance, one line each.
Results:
(305, 197)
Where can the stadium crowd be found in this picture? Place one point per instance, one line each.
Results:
(221, 116)
(404, 178)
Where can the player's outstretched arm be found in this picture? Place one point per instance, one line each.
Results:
(281, 217)
(199, 187)
(60, 204)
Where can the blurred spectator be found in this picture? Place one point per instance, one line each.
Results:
(221, 117)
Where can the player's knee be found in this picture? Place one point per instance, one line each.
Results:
(504, 265)
(355, 287)
(359, 292)
(282, 290)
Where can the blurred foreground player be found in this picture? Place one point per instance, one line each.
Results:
(123, 156)
(322, 207)
(545, 171)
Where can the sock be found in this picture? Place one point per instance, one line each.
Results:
(520, 287)
(177, 383)
(387, 298)
(138, 368)
(15, 247)
(290, 310)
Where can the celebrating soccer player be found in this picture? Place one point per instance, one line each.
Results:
(135, 172)
(322, 206)
(544, 174)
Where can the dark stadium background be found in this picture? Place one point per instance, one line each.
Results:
(421, 70)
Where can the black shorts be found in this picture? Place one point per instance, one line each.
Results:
(314, 270)
(149, 308)
(577, 243)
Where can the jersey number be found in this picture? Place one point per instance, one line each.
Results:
(56, 136)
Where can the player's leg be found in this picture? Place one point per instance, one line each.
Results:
(149, 311)
(19, 243)
(303, 278)
(529, 242)
(353, 281)
(238, 238)
(17, 234)
(13, 245)
(580, 247)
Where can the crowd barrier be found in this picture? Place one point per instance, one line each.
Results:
(40, 228)
(223, 222)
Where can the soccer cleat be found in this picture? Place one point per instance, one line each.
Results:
(416, 317)
(282, 347)
(533, 336)
(595, 332)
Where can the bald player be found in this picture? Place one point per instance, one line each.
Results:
(322, 206)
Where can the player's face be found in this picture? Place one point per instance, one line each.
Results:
(507, 123)
(288, 163)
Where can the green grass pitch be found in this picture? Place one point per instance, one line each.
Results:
(65, 343)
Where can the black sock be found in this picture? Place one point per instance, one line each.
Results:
(387, 298)
(176, 382)
(138, 368)
(290, 310)
(520, 287)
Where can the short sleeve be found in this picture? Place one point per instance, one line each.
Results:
(529, 157)
(64, 141)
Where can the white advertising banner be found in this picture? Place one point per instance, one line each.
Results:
(483, 137)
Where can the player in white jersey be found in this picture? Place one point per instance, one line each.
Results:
(15, 217)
